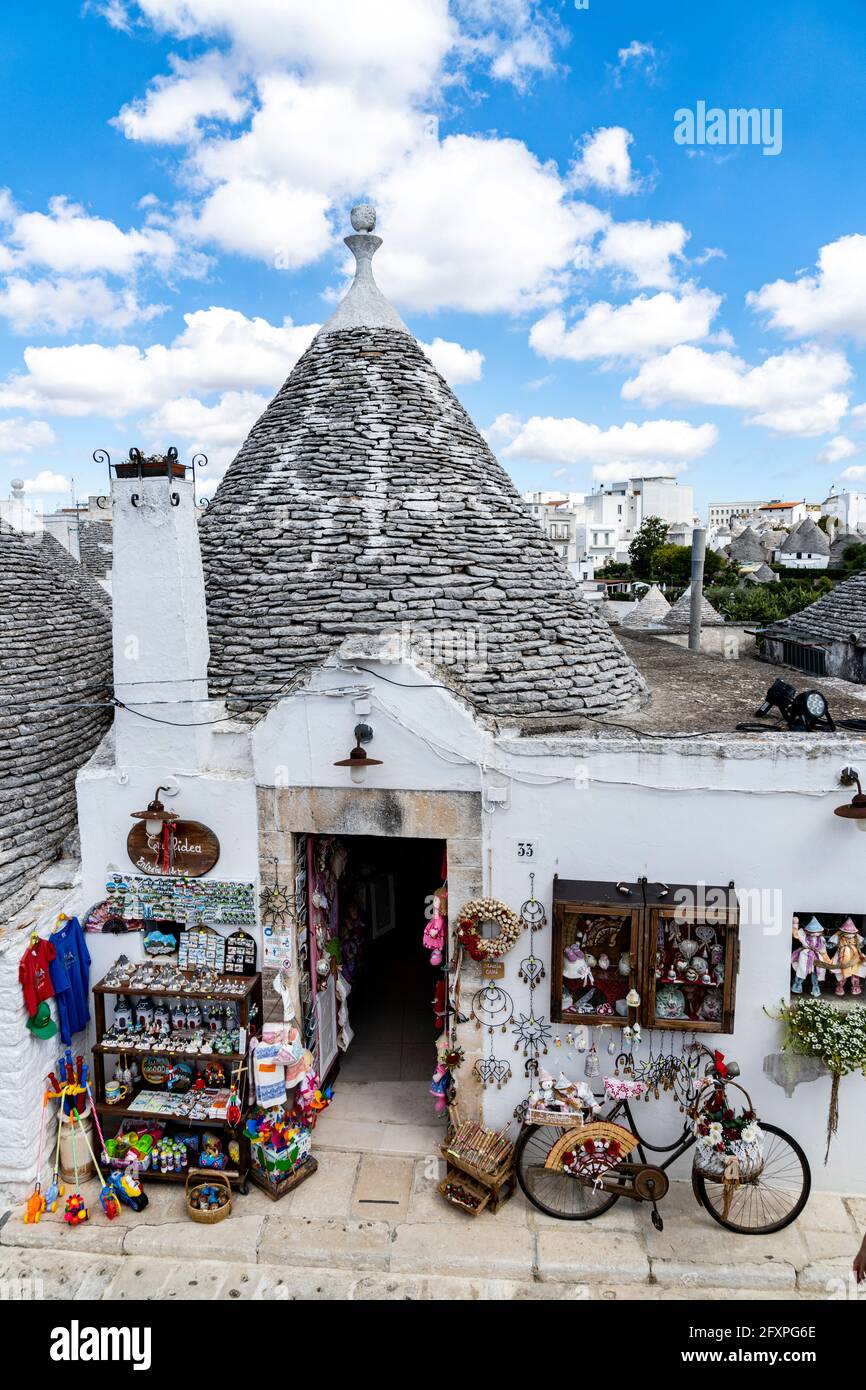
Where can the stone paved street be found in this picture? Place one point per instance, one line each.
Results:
(368, 1227)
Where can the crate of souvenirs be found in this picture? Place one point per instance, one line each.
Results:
(464, 1192)
(484, 1155)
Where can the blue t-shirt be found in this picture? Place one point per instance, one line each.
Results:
(72, 958)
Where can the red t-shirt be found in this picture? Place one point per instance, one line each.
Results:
(34, 976)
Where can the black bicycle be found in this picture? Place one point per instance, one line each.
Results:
(566, 1171)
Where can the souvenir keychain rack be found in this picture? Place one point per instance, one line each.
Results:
(249, 1003)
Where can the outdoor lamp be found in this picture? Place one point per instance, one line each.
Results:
(156, 816)
(806, 711)
(855, 809)
(357, 761)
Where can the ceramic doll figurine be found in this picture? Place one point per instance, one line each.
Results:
(576, 966)
(849, 962)
(810, 959)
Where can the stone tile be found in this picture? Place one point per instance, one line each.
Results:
(831, 1279)
(824, 1244)
(235, 1238)
(387, 1102)
(92, 1237)
(290, 1240)
(464, 853)
(829, 1211)
(441, 1288)
(589, 1256)
(484, 1247)
(745, 1274)
(682, 1237)
(412, 1141)
(34, 1273)
(291, 1285)
(327, 1193)
(383, 1188)
(631, 1217)
(856, 1208)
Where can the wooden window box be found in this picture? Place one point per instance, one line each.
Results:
(596, 953)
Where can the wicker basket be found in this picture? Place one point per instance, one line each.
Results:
(210, 1178)
(709, 1163)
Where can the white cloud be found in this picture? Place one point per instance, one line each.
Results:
(644, 250)
(830, 301)
(503, 428)
(837, 448)
(570, 441)
(68, 240)
(175, 104)
(604, 161)
(647, 324)
(47, 484)
(636, 57)
(379, 44)
(795, 392)
(218, 350)
(478, 224)
(853, 474)
(219, 430)
(270, 221)
(19, 435)
(457, 364)
(65, 303)
(320, 136)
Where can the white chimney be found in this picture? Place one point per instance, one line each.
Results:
(161, 646)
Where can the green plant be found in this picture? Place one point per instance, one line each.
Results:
(672, 564)
(837, 1037)
(651, 534)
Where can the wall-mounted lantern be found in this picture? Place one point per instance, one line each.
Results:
(358, 761)
(855, 809)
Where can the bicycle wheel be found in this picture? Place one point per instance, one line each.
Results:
(769, 1202)
(556, 1194)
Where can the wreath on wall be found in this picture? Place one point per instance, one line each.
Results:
(471, 919)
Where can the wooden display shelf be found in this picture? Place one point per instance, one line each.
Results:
(154, 1175)
(145, 993)
(114, 1049)
(126, 1111)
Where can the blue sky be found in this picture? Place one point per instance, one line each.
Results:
(605, 301)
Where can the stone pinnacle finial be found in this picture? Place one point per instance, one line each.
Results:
(363, 217)
(364, 306)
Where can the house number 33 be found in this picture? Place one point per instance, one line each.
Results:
(526, 849)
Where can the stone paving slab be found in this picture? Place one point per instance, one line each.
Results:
(383, 1188)
(482, 1246)
(752, 1274)
(236, 1238)
(337, 1244)
(585, 1256)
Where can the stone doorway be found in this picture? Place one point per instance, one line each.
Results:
(388, 824)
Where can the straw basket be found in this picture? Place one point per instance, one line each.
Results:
(209, 1177)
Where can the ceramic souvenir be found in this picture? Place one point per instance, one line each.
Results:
(670, 1002)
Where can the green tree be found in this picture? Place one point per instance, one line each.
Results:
(672, 564)
(853, 559)
(652, 533)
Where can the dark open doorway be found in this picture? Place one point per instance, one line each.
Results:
(391, 1006)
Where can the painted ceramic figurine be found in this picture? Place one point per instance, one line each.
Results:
(849, 962)
(810, 959)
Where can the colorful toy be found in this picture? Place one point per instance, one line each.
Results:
(849, 962)
(434, 935)
(75, 1211)
(128, 1189)
(110, 1204)
(36, 1202)
(809, 961)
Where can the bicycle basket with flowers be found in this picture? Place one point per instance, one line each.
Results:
(730, 1145)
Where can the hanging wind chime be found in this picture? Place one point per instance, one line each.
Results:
(492, 1008)
(531, 1033)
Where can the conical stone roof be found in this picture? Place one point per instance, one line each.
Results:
(677, 620)
(839, 616)
(55, 654)
(807, 539)
(363, 500)
(650, 611)
(746, 548)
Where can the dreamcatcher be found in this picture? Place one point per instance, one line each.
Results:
(532, 913)
(492, 1008)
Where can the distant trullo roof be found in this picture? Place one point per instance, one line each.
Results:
(746, 548)
(55, 656)
(677, 620)
(837, 616)
(807, 538)
(650, 611)
(364, 499)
